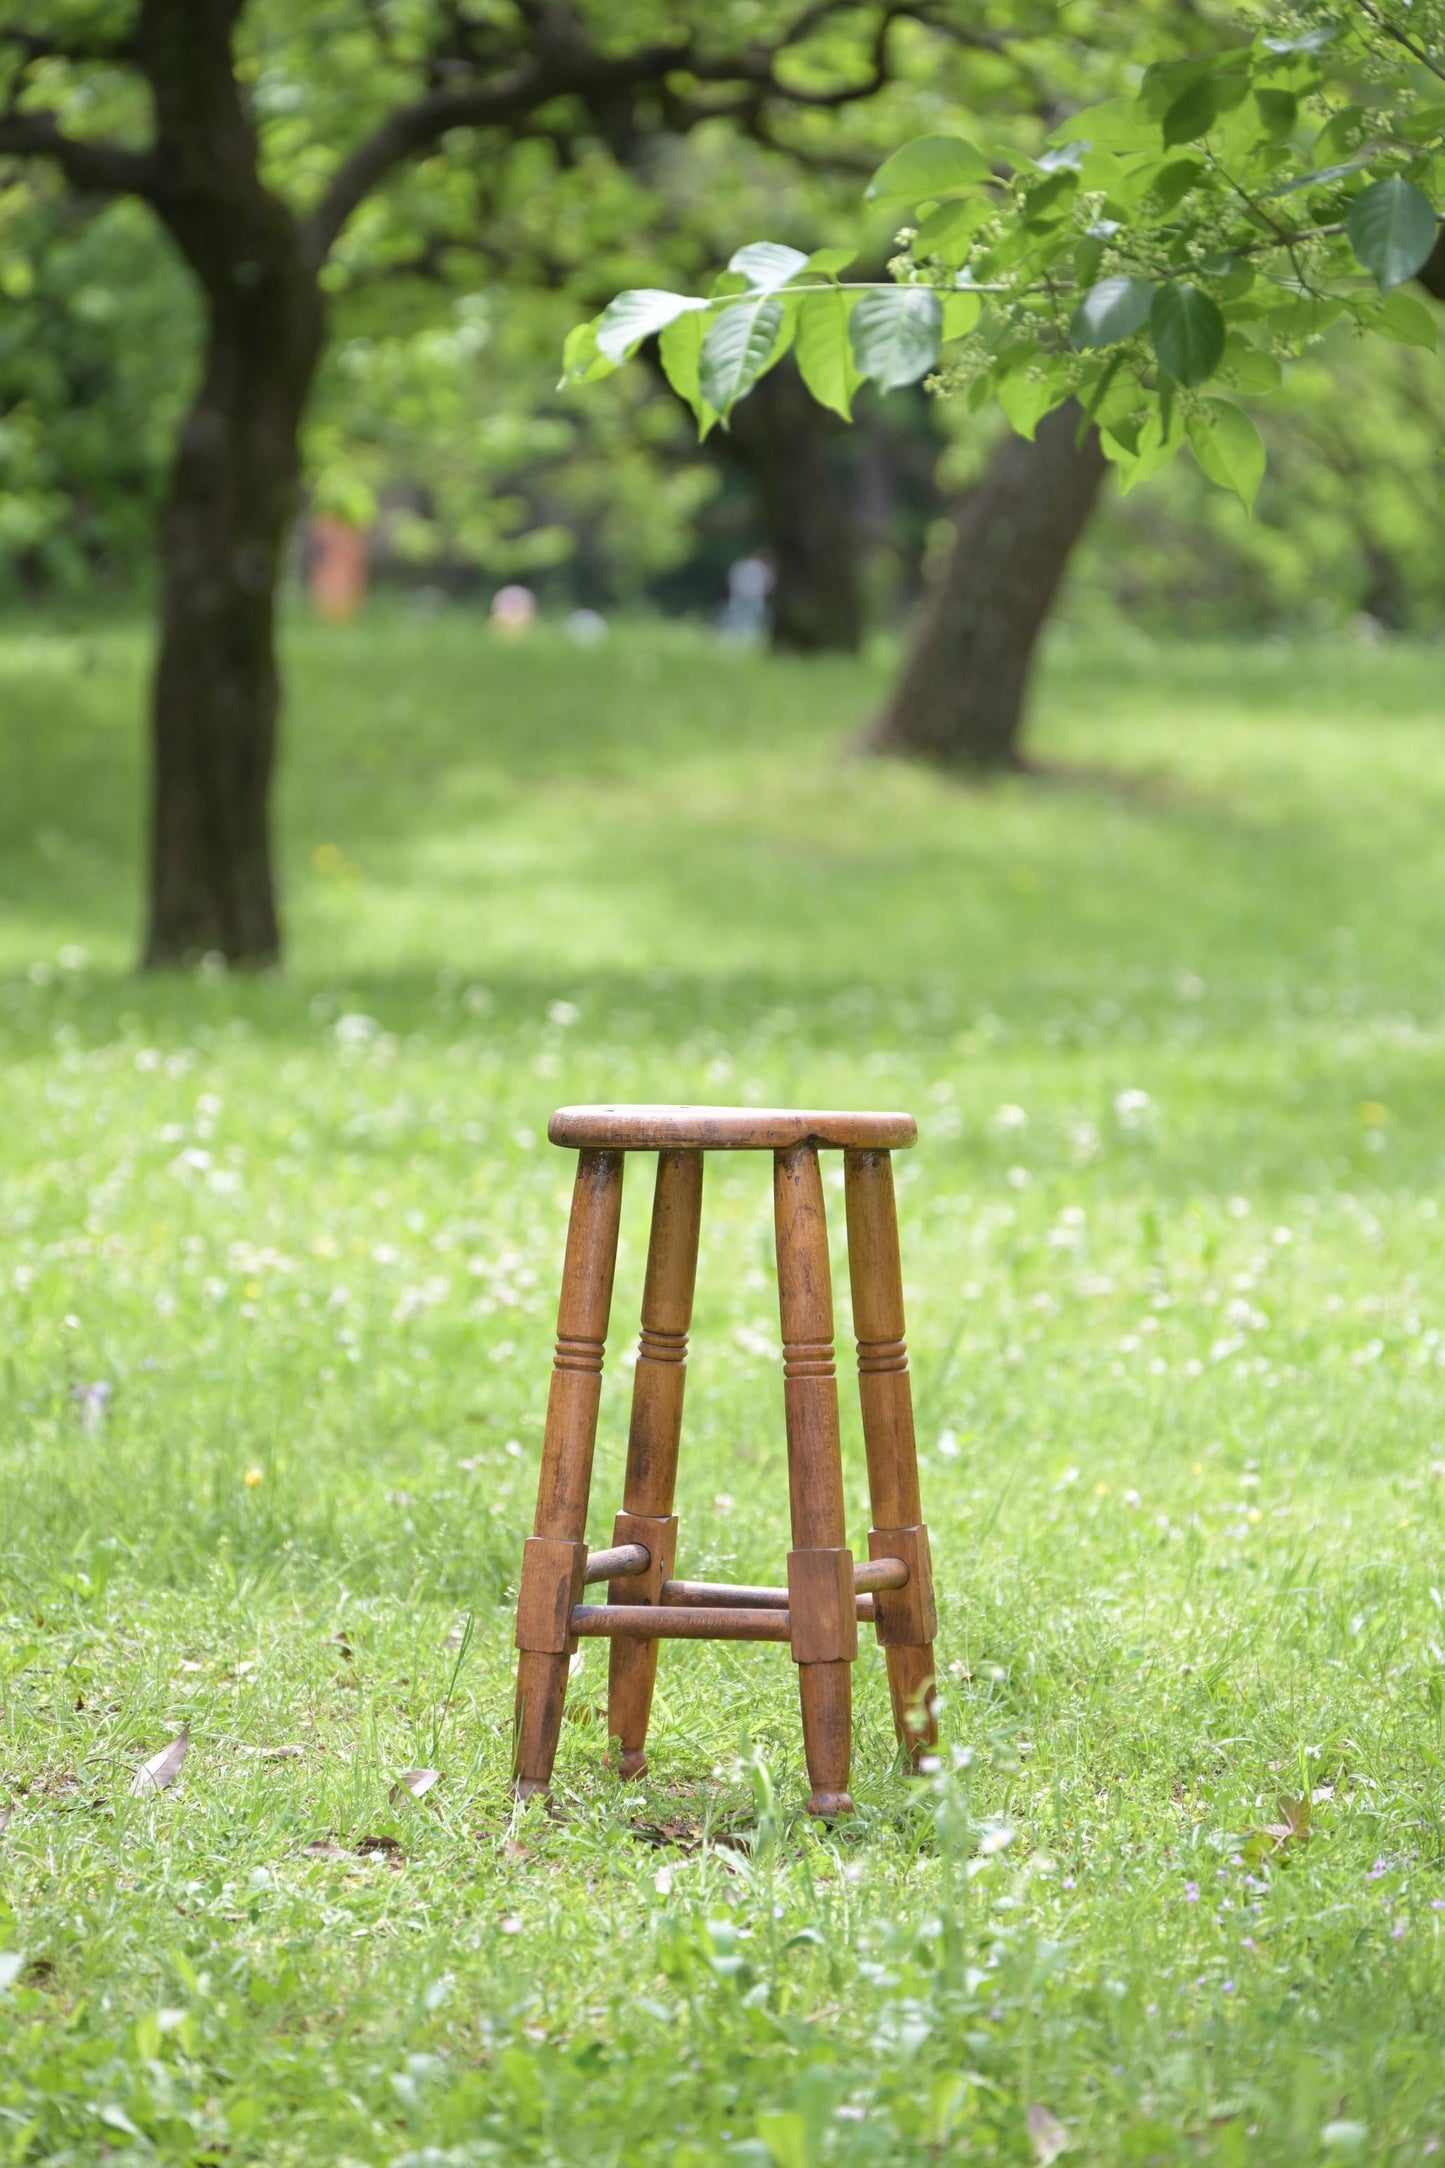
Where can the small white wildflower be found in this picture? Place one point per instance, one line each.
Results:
(1132, 1108)
(355, 1029)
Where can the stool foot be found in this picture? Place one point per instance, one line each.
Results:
(826, 1693)
(631, 1675)
(915, 1707)
(541, 1695)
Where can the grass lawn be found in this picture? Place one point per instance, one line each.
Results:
(277, 1290)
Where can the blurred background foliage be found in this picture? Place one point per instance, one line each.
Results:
(438, 421)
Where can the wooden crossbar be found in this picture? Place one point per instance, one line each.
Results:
(729, 1595)
(650, 1622)
(871, 1573)
(618, 1564)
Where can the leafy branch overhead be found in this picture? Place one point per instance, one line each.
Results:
(1157, 261)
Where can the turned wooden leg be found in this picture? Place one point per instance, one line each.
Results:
(905, 1617)
(820, 1566)
(555, 1557)
(652, 1440)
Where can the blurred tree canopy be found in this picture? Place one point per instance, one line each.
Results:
(296, 153)
(253, 246)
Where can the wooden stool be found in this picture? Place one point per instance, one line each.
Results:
(817, 1613)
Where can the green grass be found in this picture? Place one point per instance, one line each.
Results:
(1172, 1022)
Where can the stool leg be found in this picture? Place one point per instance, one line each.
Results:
(905, 1617)
(556, 1556)
(652, 1439)
(820, 1567)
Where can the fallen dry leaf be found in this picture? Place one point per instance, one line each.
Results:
(416, 1781)
(388, 1848)
(683, 1835)
(162, 1768)
(325, 1848)
(1048, 2133)
(272, 1753)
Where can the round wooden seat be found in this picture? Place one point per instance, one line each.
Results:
(726, 1129)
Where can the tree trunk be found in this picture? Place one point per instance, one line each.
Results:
(960, 699)
(784, 441)
(231, 500)
(1432, 278)
(228, 514)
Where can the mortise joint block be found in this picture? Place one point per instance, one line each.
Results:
(822, 1606)
(553, 1577)
(905, 1617)
(659, 1534)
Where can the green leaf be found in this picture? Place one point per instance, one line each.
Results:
(1278, 109)
(830, 261)
(1406, 320)
(825, 354)
(1114, 309)
(1228, 447)
(1251, 369)
(1119, 124)
(933, 165)
(1392, 228)
(1158, 441)
(947, 231)
(767, 265)
(1025, 396)
(1173, 182)
(581, 362)
(633, 316)
(1188, 333)
(896, 334)
(737, 349)
(1192, 114)
(1310, 41)
(680, 351)
(961, 311)
(1051, 196)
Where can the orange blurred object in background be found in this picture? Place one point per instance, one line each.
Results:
(337, 565)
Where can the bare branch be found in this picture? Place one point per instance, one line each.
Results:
(96, 169)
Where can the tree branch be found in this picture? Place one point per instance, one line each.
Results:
(97, 169)
(507, 98)
(34, 45)
(1401, 37)
(560, 62)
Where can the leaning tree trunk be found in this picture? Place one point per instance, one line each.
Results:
(960, 699)
(229, 510)
(784, 441)
(1432, 278)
